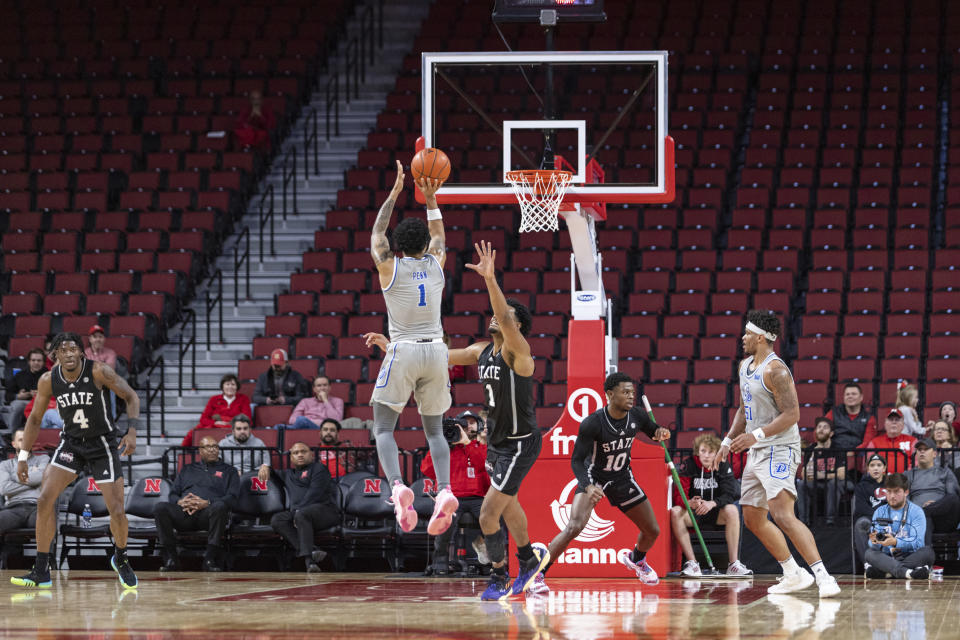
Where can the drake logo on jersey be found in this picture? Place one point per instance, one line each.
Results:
(597, 528)
(780, 468)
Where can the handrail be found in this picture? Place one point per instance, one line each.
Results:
(210, 304)
(332, 98)
(289, 177)
(239, 261)
(267, 216)
(191, 316)
(311, 140)
(352, 65)
(151, 394)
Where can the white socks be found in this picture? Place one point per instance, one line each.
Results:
(790, 566)
(819, 571)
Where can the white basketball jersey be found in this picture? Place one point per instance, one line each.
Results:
(413, 298)
(759, 406)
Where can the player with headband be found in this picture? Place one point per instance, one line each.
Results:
(766, 425)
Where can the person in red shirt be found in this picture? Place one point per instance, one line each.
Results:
(221, 408)
(255, 123)
(894, 438)
(468, 481)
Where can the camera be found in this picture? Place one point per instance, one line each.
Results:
(452, 430)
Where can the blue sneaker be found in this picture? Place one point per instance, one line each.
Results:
(498, 589)
(528, 574)
(36, 579)
(125, 572)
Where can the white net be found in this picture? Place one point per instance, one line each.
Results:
(539, 194)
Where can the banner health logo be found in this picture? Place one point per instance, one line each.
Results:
(597, 528)
(586, 297)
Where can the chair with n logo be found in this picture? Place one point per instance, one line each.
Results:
(141, 501)
(97, 536)
(370, 527)
(256, 502)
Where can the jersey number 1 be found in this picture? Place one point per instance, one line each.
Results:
(79, 418)
(489, 388)
(423, 296)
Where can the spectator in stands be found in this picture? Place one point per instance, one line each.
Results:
(897, 539)
(222, 408)
(869, 495)
(907, 399)
(241, 435)
(948, 413)
(255, 123)
(314, 504)
(935, 488)
(98, 350)
(946, 438)
(51, 417)
(468, 481)
(201, 498)
(854, 425)
(712, 496)
(311, 412)
(20, 498)
(821, 473)
(48, 349)
(894, 438)
(23, 387)
(280, 384)
(338, 462)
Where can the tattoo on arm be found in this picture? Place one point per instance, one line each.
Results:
(784, 391)
(379, 246)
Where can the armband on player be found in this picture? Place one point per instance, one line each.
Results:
(434, 214)
(23, 455)
(726, 442)
(759, 435)
(133, 423)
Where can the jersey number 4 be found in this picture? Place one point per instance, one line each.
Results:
(79, 418)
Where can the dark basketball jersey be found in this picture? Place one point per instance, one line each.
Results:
(83, 407)
(508, 398)
(603, 444)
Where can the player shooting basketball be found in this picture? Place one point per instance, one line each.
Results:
(416, 359)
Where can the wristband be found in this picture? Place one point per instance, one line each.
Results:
(434, 214)
(23, 455)
(759, 434)
(726, 442)
(133, 423)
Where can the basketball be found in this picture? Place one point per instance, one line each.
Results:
(432, 163)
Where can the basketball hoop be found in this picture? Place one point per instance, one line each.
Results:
(539, 193)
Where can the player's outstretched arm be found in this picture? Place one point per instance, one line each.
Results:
(379, 245)
(32, 428)
(438, 237)
(516, 350)
(107, 377)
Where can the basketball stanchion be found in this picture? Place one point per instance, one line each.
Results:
(711, 572)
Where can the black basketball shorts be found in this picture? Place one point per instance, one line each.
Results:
(621, 490)
(510, 461)
(97, 456)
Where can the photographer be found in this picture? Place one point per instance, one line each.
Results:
(898, 536)
(468, 477)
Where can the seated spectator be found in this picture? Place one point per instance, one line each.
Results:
(337, 462)
(23, 387)
(946, 439)
(469, 482)
(907, 399)
(241, 435)
(255, 123)
(313, 499)
(202, 495)
(51, 417)
(712, 496)
(894, 438)
(50, 353)
(279, 384)
(823, 473)
(222, 408)
(853, 425)
(948, 413)
(311, 412)
(20, 499)
(869, 494)
(934, 488)
(98, 350)
(898, 536)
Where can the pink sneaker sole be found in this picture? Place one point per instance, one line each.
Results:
(447, 503)
(403, 507)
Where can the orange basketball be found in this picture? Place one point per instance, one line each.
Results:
(431, 163)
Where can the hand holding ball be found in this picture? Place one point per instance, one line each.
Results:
(430, 163)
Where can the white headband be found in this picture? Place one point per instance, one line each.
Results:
(752, 328)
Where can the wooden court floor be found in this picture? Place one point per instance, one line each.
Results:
(284, 606)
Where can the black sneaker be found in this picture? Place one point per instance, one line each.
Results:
(34, 579)
(313, 567)
(875, 574)
(920, 573)
(170, 564)
(210, 565)
(318, 556)
(125, 572)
